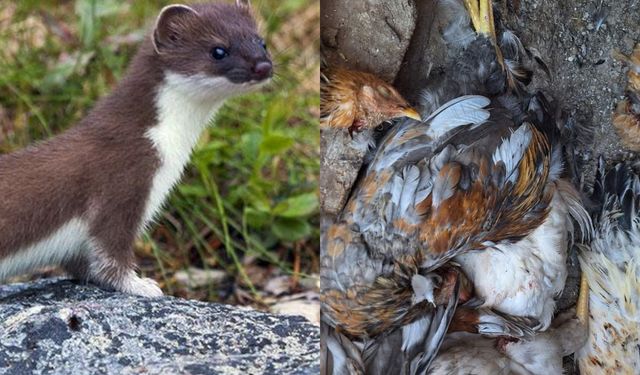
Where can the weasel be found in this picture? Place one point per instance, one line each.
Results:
(80, 199)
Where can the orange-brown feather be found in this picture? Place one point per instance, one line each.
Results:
(464, 320)
(625, 119)
(350, 98)
(367, 311)
(466, 220)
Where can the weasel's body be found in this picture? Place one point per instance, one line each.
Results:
(80, 199)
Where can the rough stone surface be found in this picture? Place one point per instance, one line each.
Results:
(368, 35)
(339, 166)
(58, 327)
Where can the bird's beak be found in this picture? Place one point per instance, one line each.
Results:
(411, 113)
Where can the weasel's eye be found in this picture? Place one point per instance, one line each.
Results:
(263, 44)
(219, 53)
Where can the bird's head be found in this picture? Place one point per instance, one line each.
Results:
(385, 103)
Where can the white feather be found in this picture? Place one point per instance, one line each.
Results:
(422, 288)
(511, 277)
(612, 268)
(464, 110)
(511, 151)
(414, 333)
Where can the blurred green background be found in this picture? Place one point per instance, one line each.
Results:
(245, 217)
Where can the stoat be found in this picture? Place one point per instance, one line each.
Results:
(80, 199)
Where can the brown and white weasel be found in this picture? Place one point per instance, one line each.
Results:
(80, 199)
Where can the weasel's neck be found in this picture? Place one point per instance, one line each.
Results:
(183, 112)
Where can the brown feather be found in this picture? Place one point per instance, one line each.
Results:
(626, 118)
(357, 99)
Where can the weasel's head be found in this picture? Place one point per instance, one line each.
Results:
(214, 49)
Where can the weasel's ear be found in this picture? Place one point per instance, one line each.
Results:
(166, 31)
(243, 3)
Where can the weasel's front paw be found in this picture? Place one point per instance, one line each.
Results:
(144, 287)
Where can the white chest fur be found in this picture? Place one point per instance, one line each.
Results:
(185, 106)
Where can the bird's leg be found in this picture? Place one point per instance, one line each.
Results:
(486, 19)
(481, 13)
(474, 13)
(582, 306)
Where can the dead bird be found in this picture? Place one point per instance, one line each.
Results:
(479, 181)
(626, 117)
(469, 354)
(356, 100)
(611, 264)
(352, 105)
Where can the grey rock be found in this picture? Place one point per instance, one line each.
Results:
(59, 327)
(370, 35)
(340, 162)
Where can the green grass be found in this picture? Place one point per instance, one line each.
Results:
(248, 199)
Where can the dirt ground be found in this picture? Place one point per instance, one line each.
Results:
(398, 39)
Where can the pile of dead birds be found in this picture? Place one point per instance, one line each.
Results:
(448, 252)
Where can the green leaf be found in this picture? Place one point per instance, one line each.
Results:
(298, 206)
(275, 113)
(291, 229)
(89, 12)
(276, 144)
(256, 218)
(250, 144)
(193, 191)
(210, 152)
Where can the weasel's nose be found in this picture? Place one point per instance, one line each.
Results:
(263, 69)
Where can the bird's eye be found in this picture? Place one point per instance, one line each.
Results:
(383, 91)
(263, 44)
(219, 53)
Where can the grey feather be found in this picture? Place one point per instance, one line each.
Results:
(411, 178)
(443, 189)
(458, 33)
(511, 151)
(464, 110)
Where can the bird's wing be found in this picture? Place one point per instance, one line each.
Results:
(443, 198)
(410, 138)
(399, 320)
(395, 314)
(612, 267)
(411, 349)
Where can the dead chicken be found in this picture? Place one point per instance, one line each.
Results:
(357, 100)
(611, 264)
(626, 118)
(481, 175)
